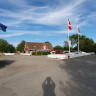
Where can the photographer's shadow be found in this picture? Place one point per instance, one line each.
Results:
(48, 87)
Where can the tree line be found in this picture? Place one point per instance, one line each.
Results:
(9, 48)
(86, 44)
(6, 47)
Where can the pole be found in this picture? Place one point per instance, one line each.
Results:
(68, 42)
(78, 42)
(68, 36)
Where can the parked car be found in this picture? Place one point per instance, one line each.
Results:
(66, 52)
(81, 52)
(76, 52)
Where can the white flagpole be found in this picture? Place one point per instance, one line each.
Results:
(68, 37)
(78, 38)
(68, 42)
(78, 42)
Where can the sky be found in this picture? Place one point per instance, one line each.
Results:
(46, 20)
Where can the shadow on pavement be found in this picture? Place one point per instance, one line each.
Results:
(83, 76)
(48, 87)
(4, 63)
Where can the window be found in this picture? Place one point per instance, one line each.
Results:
(44, 47)
(34, 46)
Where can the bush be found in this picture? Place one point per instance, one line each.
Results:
(33, 53)
(58, 47)
(57, 52)
(95, 48)
(88, 48)
(41, 53)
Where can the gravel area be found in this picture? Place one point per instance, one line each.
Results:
(42, 76)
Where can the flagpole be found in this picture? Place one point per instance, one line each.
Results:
(78, 42)
(68, 36)
(68, 42)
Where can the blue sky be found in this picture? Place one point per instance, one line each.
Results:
(46, 20)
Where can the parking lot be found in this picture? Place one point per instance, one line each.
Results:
(42, 76)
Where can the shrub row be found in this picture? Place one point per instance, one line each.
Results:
(41, 53)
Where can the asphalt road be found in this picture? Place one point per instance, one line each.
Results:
(42, 76)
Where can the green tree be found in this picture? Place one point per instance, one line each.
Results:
(21, 46)
(11, 48)
(47, 42)
(95, 48)
(86, 44)
(3, 45)
(58, 47)
(74, 39)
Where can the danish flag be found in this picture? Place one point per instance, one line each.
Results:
(69, 25)
(79, 30)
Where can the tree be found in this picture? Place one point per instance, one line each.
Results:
(11, 48)
(47, 42)
(85, 44)
(74, 39)
(95, 48)
(3, 45)
(58, 47)
(21, 46)
(66, 46)
(6, 47)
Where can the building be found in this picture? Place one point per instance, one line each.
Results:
(37, 47)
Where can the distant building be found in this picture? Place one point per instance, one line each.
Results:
(34, 46)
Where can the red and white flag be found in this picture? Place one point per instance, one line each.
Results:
(69, 25)
(79, 30)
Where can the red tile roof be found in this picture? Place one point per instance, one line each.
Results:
(37, 46)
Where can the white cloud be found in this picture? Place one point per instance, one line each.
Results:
(11, 33)
(19, 3)
(41, 15)
(45, 15)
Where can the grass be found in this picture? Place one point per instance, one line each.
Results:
(1, 54)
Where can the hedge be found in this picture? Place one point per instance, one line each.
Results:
(41, 53)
